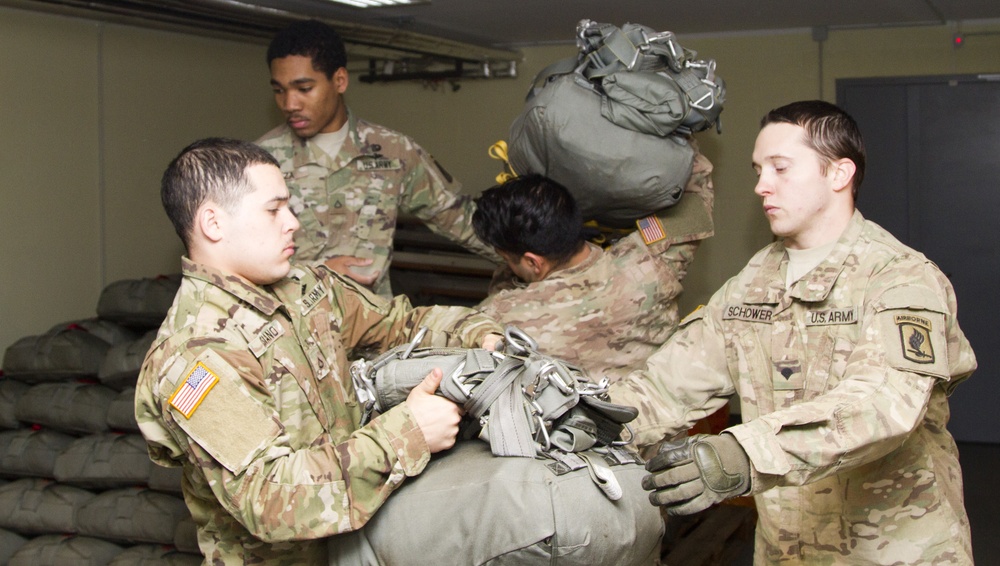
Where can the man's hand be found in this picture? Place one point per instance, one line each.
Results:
(342, 264)
(436, 416)
(490, 342)
(695, 473)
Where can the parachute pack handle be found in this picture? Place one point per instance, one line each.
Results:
(609, 48)
(498, 151)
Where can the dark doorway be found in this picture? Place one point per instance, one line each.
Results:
(933, 180)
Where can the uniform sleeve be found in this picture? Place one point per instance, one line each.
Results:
(369, 320)
(430, 194)
(692, 218)
(906, 349)
(233, 435)
(687, 379)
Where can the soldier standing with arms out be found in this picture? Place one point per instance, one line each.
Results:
(246, 385)
(843, 346)
(350, 179)
(605, 311)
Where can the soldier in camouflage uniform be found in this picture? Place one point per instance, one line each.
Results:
(843, 346)
(247, 387)
(603, 310)
(350, 179)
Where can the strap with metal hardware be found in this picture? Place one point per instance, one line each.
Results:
(523, 402)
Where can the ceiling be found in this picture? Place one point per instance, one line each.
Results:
(494, 30)
(529, 22)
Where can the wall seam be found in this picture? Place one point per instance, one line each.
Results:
(101, 163)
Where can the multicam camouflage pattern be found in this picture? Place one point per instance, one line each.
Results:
(843, 381)
(348, 204)
(611, 312)
(273, 456)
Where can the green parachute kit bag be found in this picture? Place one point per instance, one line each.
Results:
(547, 482)
(611, 124)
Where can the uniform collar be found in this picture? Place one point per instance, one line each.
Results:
(253, 295)
(768, 284)
(595, 253)
(305, 151)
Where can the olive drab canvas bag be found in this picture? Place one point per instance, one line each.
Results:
(611, 124)
(540, 468)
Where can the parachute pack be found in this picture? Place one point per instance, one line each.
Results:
(611, 124)
(538, 435)
(524, 403)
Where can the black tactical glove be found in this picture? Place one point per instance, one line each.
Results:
(695, 473)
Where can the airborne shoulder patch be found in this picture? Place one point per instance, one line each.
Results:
(915, 338)
(193, 389)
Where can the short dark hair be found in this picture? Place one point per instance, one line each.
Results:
(830, 131)
(313, 39)
(533, 214)
(208, 169)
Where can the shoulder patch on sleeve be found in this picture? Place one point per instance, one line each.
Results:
(915, 337)
(192, 391)
(226, 421)
(651, 229)
(912, 323)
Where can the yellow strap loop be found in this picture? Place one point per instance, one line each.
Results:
(498, 151)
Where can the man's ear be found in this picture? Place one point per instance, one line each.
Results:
(341, 80)
(536, 263)
(210, 221)
(842, 172)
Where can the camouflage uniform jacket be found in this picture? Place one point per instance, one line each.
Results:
(348, 204)
(843, 381)
(247, 388)
(613, 310)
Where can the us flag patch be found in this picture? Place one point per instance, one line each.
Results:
(651, 229)
(199, 381)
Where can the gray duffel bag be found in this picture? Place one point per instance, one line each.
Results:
(489, 510)
(612, 123)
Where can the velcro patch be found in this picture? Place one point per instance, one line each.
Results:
(847, 315)
(192, 391)
(233, 427)
(651, 229)
(748, 313)
(313, 297)
(378, 164)
(263, 339)
(915, 338)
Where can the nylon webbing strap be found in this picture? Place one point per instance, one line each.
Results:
(509, 426)
(491, 388)
(525, 402)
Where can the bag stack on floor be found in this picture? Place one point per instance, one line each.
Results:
(76, 482)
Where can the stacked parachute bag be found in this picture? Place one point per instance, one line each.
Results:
(83, 488)
(612, 124)
(540, 474)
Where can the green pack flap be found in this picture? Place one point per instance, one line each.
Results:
(40, 506)
(63, 549)
(132, 515)
(513, 511)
